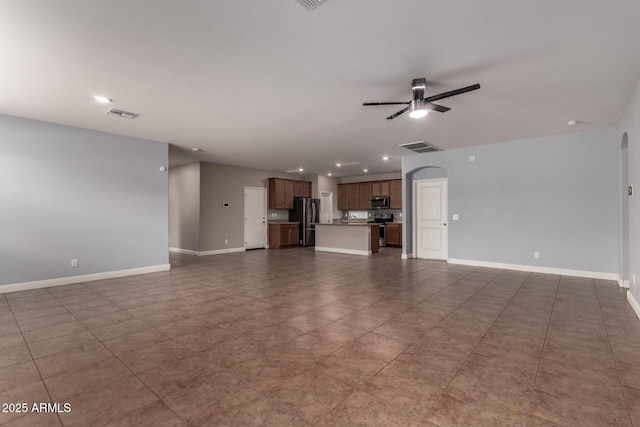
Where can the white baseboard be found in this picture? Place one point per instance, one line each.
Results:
(60, 281)
(623, 283)
(221, 251)
(406, 256)
(534, 269)
(342, 251)
(204, 253)
(184, 251)
(634, 304)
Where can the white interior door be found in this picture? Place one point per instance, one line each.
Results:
(255, 217)
(431, 237)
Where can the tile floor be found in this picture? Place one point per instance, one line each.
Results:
(295, 338)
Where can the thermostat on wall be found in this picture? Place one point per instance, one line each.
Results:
(225, 204)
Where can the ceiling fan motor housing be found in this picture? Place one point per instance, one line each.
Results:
(418, 86)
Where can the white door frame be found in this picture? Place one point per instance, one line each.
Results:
(414, 210)
(264, 204)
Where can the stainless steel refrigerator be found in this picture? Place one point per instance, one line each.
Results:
(306, 211)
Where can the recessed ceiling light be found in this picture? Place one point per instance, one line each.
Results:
(300, 170)
(102, 99)
(328, 173)
(196, 149)
(385, 157)
(365, 170)
(338, 164)
(572, 122)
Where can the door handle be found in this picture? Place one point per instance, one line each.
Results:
(444, 223)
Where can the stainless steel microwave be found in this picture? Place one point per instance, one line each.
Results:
(380, 202)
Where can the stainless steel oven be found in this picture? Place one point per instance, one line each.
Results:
(381, 219)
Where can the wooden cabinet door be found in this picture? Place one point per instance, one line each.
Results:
(394, 235)
(297, 189)
(354, 196)
(365, 196)
(288, 194)
(306, 189)
(395, 194)
(384, 188)
(375, 189)
(276, 193)
(380, 188)
(343, 197)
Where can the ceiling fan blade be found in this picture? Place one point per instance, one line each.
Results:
(452, 93)
(393, 116)
(384, 103)
(436, 107)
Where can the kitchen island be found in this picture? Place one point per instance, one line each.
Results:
(348, 238)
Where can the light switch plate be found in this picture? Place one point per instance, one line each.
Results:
(455, 217)
(472, 158)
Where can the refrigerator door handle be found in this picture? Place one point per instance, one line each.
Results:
(313, 212)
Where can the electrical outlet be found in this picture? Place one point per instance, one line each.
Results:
(74, 262)
(455, 217)
(226, 241)
(472, 158)
(536, 254)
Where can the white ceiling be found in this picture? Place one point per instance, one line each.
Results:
(272, 85)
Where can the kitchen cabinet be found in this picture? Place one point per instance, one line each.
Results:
(282, 192)
(380, 188)
(394, 234)
(365, 196)
(343, 197)
(354, 196)
(358, 195)
(288, 194)
(283, 235)
(395, 194)
(301, 189)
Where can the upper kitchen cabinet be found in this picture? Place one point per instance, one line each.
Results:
(365, 195)
(301, 189)
(395, 194)
(354, 196)
(288, 194)
(380, 188)
(358, 195)
(343, 197)
(282, 192)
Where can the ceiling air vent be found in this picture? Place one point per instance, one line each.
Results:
(311, 4)
(121, 113)
(420, 147)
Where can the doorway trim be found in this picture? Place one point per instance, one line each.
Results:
(264, 214)
(414, 210)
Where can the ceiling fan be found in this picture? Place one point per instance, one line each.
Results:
(420, 105)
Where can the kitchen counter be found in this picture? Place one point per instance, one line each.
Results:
(282, 222)
(356, 238)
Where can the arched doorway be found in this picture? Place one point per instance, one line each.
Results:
(411, 213)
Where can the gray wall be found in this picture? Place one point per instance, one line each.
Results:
(557, 195)
(184, 207)
(73, 193)
(630, 124)
(224, 183)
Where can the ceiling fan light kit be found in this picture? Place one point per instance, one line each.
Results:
(418, 110)
(419, 105)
